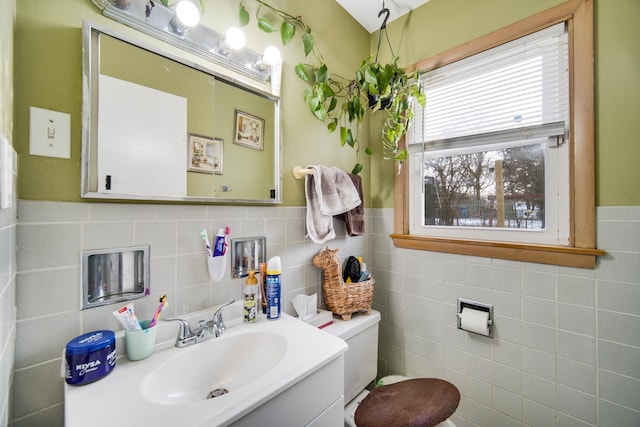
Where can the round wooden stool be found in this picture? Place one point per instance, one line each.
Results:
(418, 402)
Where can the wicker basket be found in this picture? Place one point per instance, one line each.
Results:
(342, 298)
(348, 298)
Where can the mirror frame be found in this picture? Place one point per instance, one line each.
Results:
(89, 137)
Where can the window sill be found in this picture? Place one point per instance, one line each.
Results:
(542, 254)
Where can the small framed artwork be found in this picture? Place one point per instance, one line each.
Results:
(205, 154)
(249, 131)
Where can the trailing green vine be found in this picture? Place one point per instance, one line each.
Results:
(342, 103)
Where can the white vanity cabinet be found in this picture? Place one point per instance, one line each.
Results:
(316, 401)
(277, 373)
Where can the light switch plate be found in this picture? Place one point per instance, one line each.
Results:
(8, 173)
(49, 133)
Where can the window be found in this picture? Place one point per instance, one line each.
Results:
(488, 157)
(501, 158)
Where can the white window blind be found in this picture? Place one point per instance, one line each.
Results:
(518, 90)
(505, 109)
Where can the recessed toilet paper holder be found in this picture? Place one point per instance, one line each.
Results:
(475, 305)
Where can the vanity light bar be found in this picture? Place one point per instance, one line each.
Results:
(199, 40)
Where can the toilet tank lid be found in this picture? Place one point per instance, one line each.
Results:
(358, 322)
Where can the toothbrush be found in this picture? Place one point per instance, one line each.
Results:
(163, 305)
(205, 237)
(227, 231)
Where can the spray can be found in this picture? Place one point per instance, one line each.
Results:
(274, 269)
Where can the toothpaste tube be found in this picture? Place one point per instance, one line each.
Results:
(127, 318)
(220, 245)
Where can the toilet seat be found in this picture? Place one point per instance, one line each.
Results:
(351, 407)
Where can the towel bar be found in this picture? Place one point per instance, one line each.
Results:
(299, 172)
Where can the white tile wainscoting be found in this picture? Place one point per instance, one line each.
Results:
(7, 307)
(50, 236)
(566, 350)
(567, 344)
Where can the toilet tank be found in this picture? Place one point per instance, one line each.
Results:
(361, 359)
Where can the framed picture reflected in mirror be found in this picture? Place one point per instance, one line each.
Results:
(205, 154)
(248, 130)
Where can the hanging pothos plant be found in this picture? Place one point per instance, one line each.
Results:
(342, 103)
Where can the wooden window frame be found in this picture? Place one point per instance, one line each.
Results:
(581, 252)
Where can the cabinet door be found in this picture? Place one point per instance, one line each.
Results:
(332, 417)
(313, 401)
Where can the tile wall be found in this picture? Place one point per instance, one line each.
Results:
(7, 217)
(566, 350)
(7, 307)
(51, 236)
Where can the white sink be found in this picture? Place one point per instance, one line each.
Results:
(255, 363)
(213, 368)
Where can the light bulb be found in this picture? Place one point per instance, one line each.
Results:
(234, 38)
(271, 56)
(188, 13)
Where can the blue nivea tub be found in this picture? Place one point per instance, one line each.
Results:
(90, 357)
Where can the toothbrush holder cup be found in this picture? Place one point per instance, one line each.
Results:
(139, 344)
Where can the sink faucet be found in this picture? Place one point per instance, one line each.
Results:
(206, 330)
(218, 322)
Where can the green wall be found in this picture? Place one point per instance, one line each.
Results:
(617, 102)
(6, 71)
(48, 75)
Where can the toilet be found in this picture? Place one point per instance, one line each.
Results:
(361, 360)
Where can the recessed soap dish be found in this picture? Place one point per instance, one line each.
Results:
(113, 275)
(246, 254)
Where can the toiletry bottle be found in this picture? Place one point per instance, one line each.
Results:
(263, 287)
(364, 274)
(274, 268)
(218, 247)
(251, 298)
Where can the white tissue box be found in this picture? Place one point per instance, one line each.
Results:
(321, 319)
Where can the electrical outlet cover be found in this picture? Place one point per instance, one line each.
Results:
(49, 133)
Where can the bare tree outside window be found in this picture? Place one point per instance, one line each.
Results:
(498, 188)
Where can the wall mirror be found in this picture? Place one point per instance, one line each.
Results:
(157, 126)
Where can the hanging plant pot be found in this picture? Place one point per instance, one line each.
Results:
(343, 103)
(384, 104)
(373, 100)
(388, 81)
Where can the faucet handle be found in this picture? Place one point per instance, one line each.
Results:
(218, 322)
(185, 329)
(218, 313)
